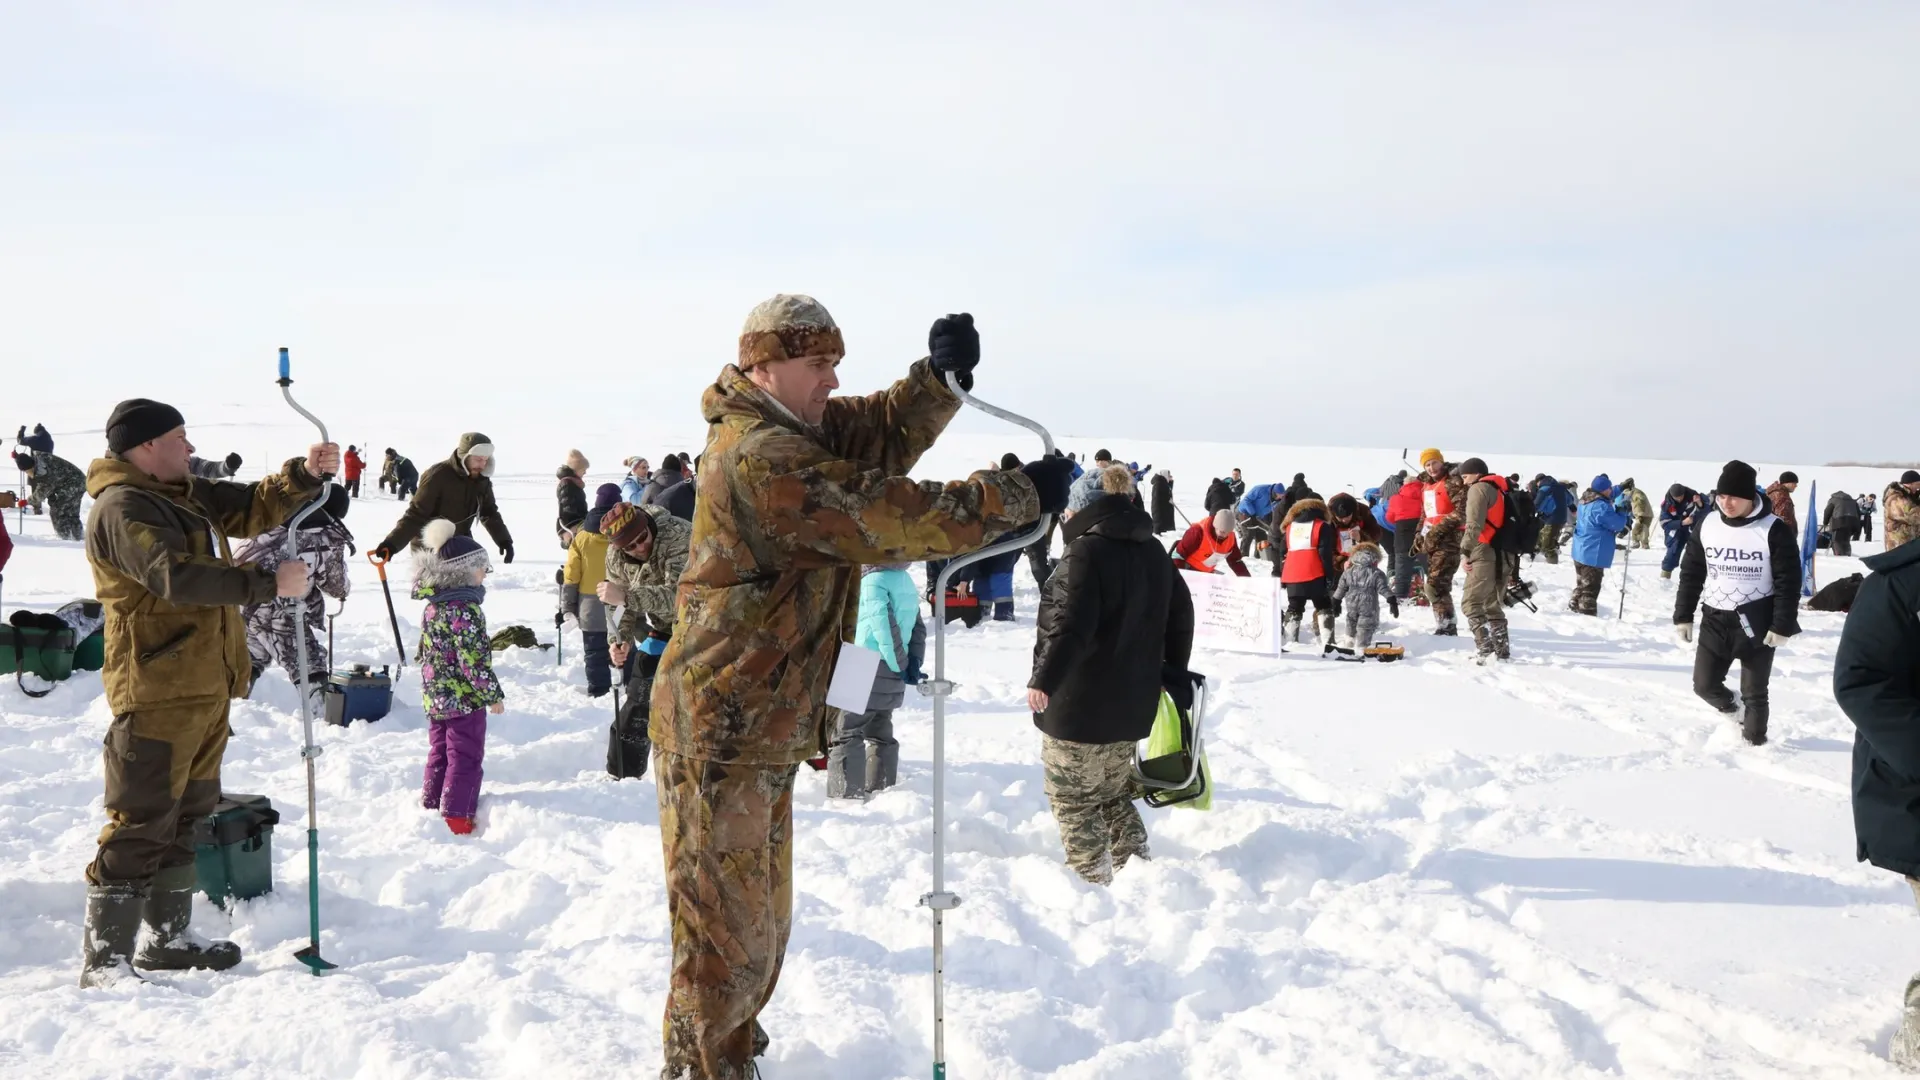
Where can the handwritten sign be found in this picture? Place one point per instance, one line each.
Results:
(1235, 613)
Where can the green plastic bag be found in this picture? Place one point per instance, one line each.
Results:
(1167, 759)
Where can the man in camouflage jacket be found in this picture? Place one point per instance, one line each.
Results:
(796, 490)
(1901, 505)
(1440, 543)
(646, 553)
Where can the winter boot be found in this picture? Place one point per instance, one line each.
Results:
(1502, 644)
(106, 941)
(170, 944)
(1290, 629)
(460, 826)
(1482, 641)
(1753, 727)
(1003, 611)
(1904, 1049)
(1446, 628)
(1323, 627)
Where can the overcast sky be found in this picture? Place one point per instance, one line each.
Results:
(1650, 229)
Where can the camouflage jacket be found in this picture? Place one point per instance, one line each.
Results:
(1782, 502)
(785, 515)
(1445, 534)
(1902, 512)
(650, 584)
(166, 575)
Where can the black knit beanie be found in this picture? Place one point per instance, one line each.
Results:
(138, 420)
(1737, 479)
(1473, 465)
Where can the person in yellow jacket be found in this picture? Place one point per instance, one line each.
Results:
(580, 579)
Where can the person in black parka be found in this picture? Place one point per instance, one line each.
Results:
(1162, 502)
(1219, 496)
(1114, 614)
(1876, 680)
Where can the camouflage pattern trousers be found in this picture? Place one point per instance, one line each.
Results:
(1441, 566)
(727, 834)
(1550, 544)
(1091, 787)
(1587, 581)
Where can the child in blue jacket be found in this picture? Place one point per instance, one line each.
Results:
(1600, 521)
(864, 757)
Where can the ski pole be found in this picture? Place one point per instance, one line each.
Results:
(310, 955)
(380, 566)
(940, 901)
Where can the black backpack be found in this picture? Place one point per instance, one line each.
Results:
(1519, 532)
(1837, 595)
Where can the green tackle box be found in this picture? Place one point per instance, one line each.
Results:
(233, 848)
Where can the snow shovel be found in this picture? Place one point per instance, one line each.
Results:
(310, 955)
(938, 688)
(380, 566)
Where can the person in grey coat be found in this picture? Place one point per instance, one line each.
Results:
(864, 757)
(1359, 593)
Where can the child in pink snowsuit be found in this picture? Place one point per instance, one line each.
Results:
(456, 671)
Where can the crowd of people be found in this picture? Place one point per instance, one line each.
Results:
(716, 592)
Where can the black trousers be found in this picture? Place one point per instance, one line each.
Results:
(1843, 536)
(627, 744)
(1722, 640)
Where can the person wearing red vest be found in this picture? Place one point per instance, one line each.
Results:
(1209, 545)
(1443, 518)
(1403, 514)
(351, 466)
(1308, 547)
(1487, 567)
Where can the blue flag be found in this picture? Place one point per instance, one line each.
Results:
(1809, 539)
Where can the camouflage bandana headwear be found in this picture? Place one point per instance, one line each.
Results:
(787, 326)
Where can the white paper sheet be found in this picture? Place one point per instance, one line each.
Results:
(852, 682)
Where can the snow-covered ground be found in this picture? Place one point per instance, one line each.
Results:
(1565, 867)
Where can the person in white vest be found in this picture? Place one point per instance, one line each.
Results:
(1742, 565)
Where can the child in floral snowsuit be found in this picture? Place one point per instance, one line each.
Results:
(456, 671)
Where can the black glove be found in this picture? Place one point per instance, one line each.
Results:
(383, 553)
(233, 464)
(955, 347)
(506, 554)
(1052, 477)
(559, 619)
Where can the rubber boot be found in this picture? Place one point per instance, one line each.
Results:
(1482, 641)
(107, 939)
(1753, 727)
(1903, 1050)
(170, 945)
(1502, 644)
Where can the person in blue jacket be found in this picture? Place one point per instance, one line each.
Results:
(1255, 508)
(1594, 531)
(1679, 511)
(1551, 506)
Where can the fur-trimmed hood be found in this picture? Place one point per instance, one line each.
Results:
(1307, 508)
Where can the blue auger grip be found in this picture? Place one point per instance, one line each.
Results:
(286, 365)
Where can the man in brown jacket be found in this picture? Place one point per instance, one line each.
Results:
(796, 490)
(1780, 497)
(1487, 567)
(459, 489)
(176, 655)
